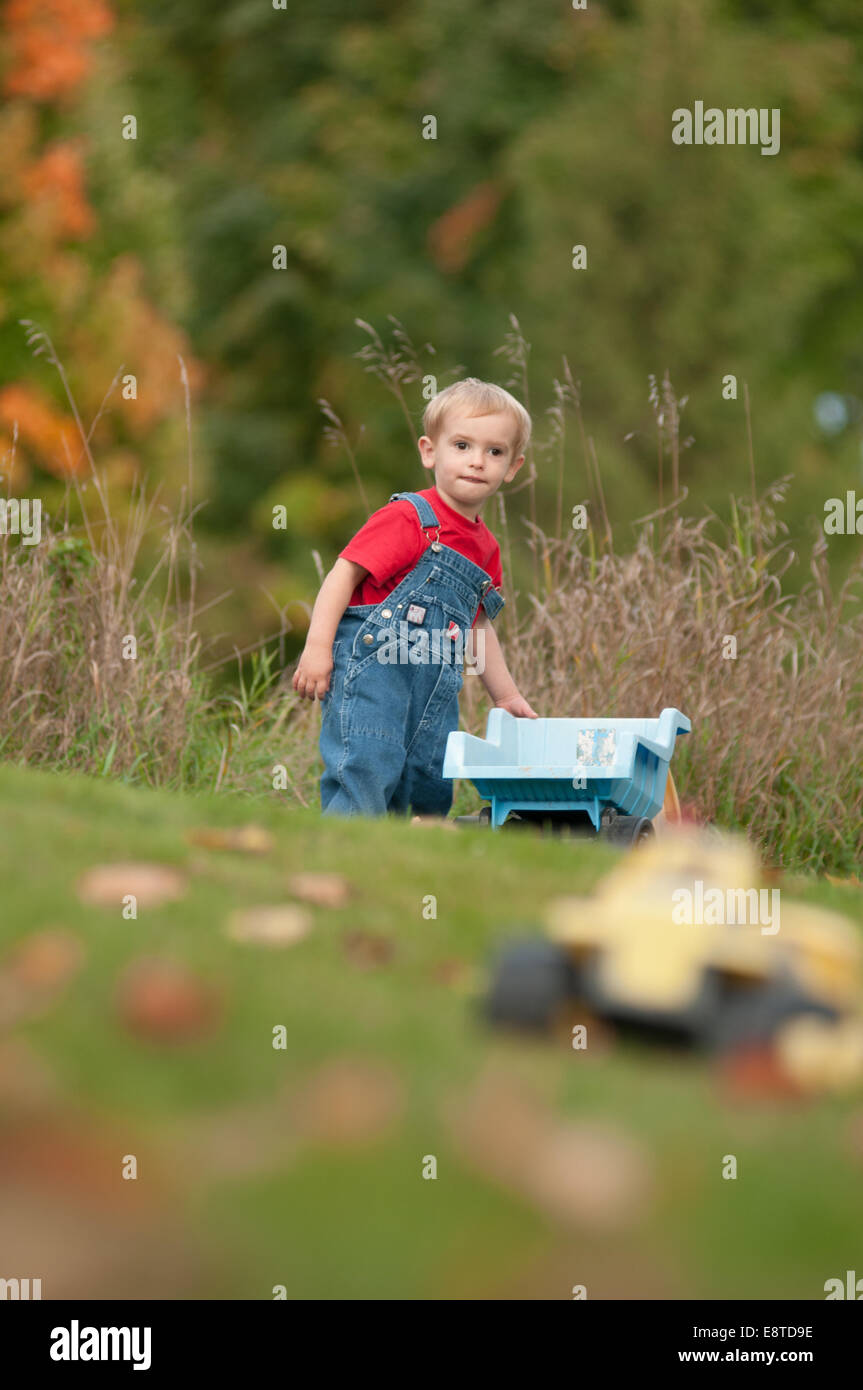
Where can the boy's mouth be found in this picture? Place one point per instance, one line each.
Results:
(474, 480)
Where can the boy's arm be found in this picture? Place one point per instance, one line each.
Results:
(333, 598)
(484, 646)
(312, 676)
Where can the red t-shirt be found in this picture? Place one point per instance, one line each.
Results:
(390, 544)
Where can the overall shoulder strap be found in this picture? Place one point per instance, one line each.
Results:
(492, 602)
(423, 507)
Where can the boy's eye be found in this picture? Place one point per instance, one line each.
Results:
(462, 444)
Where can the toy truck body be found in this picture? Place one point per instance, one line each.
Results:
(599, 769)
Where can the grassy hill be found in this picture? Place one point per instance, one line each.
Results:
(303, 1166)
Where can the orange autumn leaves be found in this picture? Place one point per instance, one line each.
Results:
(49, 43)
(101, 317)
(451, 237)
(49, 57)
(55, 184)
(48, 48)
(48, 436)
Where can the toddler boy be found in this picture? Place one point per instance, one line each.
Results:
(420, 575)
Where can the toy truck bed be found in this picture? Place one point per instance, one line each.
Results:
(571, 766)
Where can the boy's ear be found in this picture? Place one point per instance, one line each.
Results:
(513, 468)
(426, 448)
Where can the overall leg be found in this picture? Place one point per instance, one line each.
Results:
(362, 781)
(362, 741)
(422, 786)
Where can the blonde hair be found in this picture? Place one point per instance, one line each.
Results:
(479, 398)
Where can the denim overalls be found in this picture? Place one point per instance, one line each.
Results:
(384, 724)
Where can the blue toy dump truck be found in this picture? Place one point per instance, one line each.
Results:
(594, 776)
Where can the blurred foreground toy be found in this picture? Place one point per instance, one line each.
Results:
(592, 776)
(629, 956)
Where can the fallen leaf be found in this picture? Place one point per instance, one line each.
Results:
(367, 949)
(246, 839)
(150, 884)
(434, 820)
(587, 1174)
(69, 1219)
(282, 925)
(756, 1073)
(35, 973)
(66, 1152)
(498, 1125)
(165, 1002)
(326, 890)
(349, 1101)
(851, 882)
(454, 973)
(47, 959)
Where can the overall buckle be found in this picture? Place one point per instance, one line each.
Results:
(435, 545)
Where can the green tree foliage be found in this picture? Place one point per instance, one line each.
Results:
(554, 129)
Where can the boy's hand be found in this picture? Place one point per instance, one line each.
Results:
(517, 705)
(312, 676)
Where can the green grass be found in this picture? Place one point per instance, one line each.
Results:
(339, 1218)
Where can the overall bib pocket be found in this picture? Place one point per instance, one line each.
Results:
(382, 628)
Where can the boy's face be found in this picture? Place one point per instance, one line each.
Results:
(472, 457)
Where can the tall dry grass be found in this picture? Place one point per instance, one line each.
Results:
(69, 696)
(772, 682)
(99, 662)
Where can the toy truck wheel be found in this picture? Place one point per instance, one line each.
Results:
(531, 984)
(642, 830)
(752, 1015)
(627, 830)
